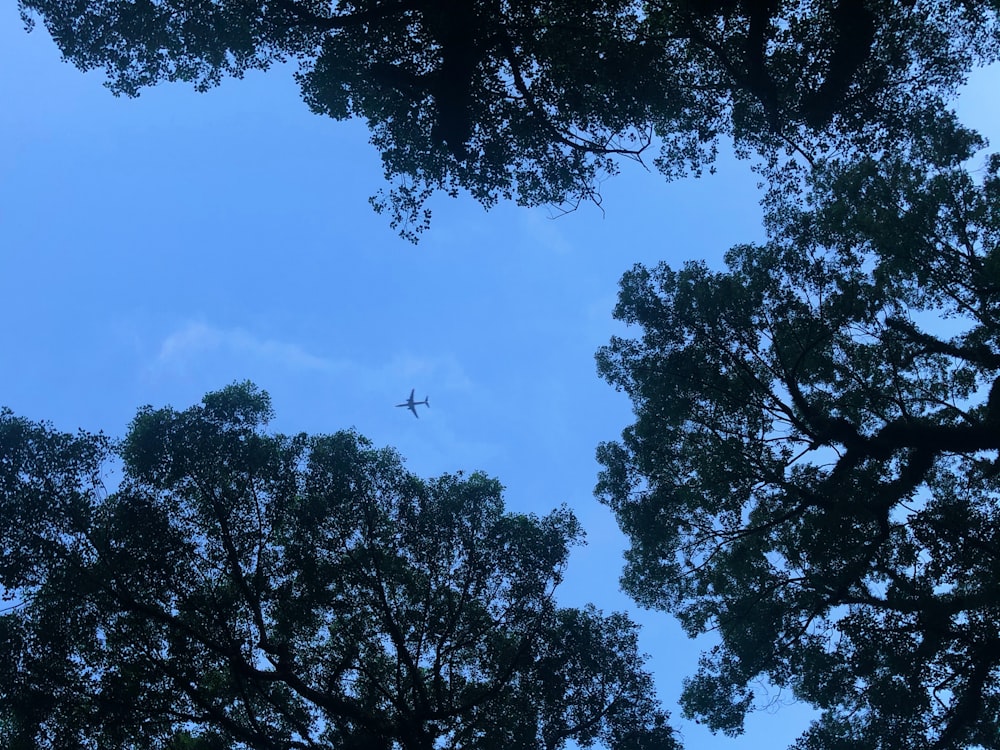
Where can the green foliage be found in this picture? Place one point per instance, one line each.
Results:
(539, 101)
(813, 471)
(241, 589)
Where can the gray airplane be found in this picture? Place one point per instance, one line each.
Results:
(412, 405)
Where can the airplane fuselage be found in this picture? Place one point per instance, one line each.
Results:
(412, 405)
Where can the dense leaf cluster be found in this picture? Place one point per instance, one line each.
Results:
(537, 100)
(241, 589)
(813, 472)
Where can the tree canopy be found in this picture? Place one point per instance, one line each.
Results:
(537, 101)
(813, 471)
(241, 589)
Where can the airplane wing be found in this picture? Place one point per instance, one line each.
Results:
(413, 408)
(412, 391)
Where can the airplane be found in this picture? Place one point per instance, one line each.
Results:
(412, 405)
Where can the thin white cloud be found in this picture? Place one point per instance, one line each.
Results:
(444, 371)
(195, 340)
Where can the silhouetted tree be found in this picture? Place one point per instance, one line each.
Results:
(813, 471)
(247, 590)
(536, 101)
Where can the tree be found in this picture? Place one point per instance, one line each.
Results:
(247, 590)
(537, 101)
(813, 471)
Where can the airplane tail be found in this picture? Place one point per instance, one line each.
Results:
(427, 401)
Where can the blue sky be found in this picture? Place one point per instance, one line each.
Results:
(155, 249)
